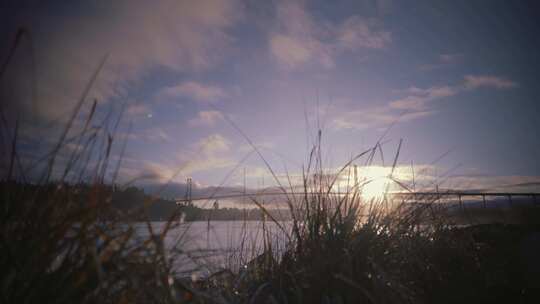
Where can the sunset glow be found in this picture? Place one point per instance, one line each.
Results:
(375, 188)
(188, 77)
(270, 151)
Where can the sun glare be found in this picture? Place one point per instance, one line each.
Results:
(373, 181)
(375, 188)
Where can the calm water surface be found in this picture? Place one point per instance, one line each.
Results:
(201, 248)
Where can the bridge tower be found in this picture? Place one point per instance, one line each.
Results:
(189, 183)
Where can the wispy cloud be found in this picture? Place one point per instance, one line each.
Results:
(374, 118)
(148, 135)
(488, 81)
(416, 103)
(356, 33)
(501, 183)
(206, 154)
(418, 98)
(299, 39)
(207, 164)
(139, 110)
(138, 35)
(213, 144)
(206, 119)
(292, 52)
(192, 90)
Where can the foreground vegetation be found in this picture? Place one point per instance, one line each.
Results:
(62, 244)
(71, 244)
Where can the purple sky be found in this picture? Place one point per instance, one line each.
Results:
(455, 76)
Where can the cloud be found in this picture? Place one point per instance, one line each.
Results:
(207, 164)
(356, 33)
(206, 118)
(418, 98)
(139, 36)
(289, 51)
(148, 170)
(299, 39)
(206, 154)
(488, 81)
(375, 118)
(153, 134)
(429, 176)
(213, 144)
(138, 110)
(501, 183)
(192, 90)
(416, 104)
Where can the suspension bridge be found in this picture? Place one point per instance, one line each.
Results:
(459, 197)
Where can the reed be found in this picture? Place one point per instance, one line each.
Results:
(62, 240)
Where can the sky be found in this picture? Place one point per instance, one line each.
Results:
(456, 81)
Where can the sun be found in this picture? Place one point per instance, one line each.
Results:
(375, 188)
(372, 182)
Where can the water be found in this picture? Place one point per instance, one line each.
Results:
(201, 248)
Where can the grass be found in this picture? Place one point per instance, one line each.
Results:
(64, 244)
(344, 249)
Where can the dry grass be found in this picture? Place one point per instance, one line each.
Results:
(68, 245)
